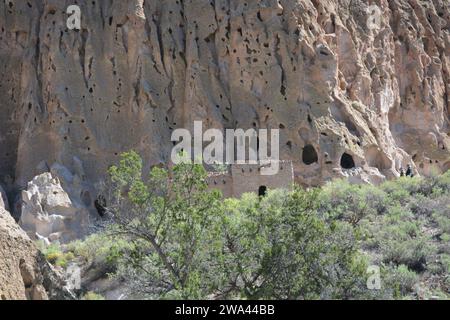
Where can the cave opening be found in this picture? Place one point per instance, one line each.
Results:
(347, 161)
(100, 205)
(262, 191)
(309, 155)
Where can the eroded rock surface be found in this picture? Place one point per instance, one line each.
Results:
(24, 272)
(48, 212)
(3, 199)
(349, 99)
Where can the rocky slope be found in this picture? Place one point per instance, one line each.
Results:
(24, 272)
(346, 95)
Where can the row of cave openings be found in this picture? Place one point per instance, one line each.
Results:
(309, 157)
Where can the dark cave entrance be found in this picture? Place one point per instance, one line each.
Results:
(262, 191)
(309, 155)
(347, 161)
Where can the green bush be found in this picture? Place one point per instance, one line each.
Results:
(344, 201)
(279, 248)
(92, 296)
(413, 253)
(445, 260)
(401, 280)
(100, 249)
(55, 255)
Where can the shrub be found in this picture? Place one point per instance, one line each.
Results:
(399, 191)
(92, 296)
(100, 249)
(443, 183)
(443, 223)
(401, 241)
(445, 260)
(54, 254)
(413, 253)
(404, 187)
(421, 205)
(344, 201)
(279, 248)
(401, 280)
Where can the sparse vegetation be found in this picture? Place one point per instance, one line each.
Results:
(92, 296)
(55, 255)
(403, 230)
(99, 250)
(172, 238)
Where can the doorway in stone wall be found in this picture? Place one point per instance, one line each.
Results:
(262, 191)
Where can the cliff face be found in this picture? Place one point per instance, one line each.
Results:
(136, 70)
(24, 272)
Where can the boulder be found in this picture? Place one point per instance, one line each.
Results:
(3, 199)
(52, 213)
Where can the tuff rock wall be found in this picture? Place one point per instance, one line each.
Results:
(24, 272)
(138, 69)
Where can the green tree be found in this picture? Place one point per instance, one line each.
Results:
(278, 247)
(171, 219)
